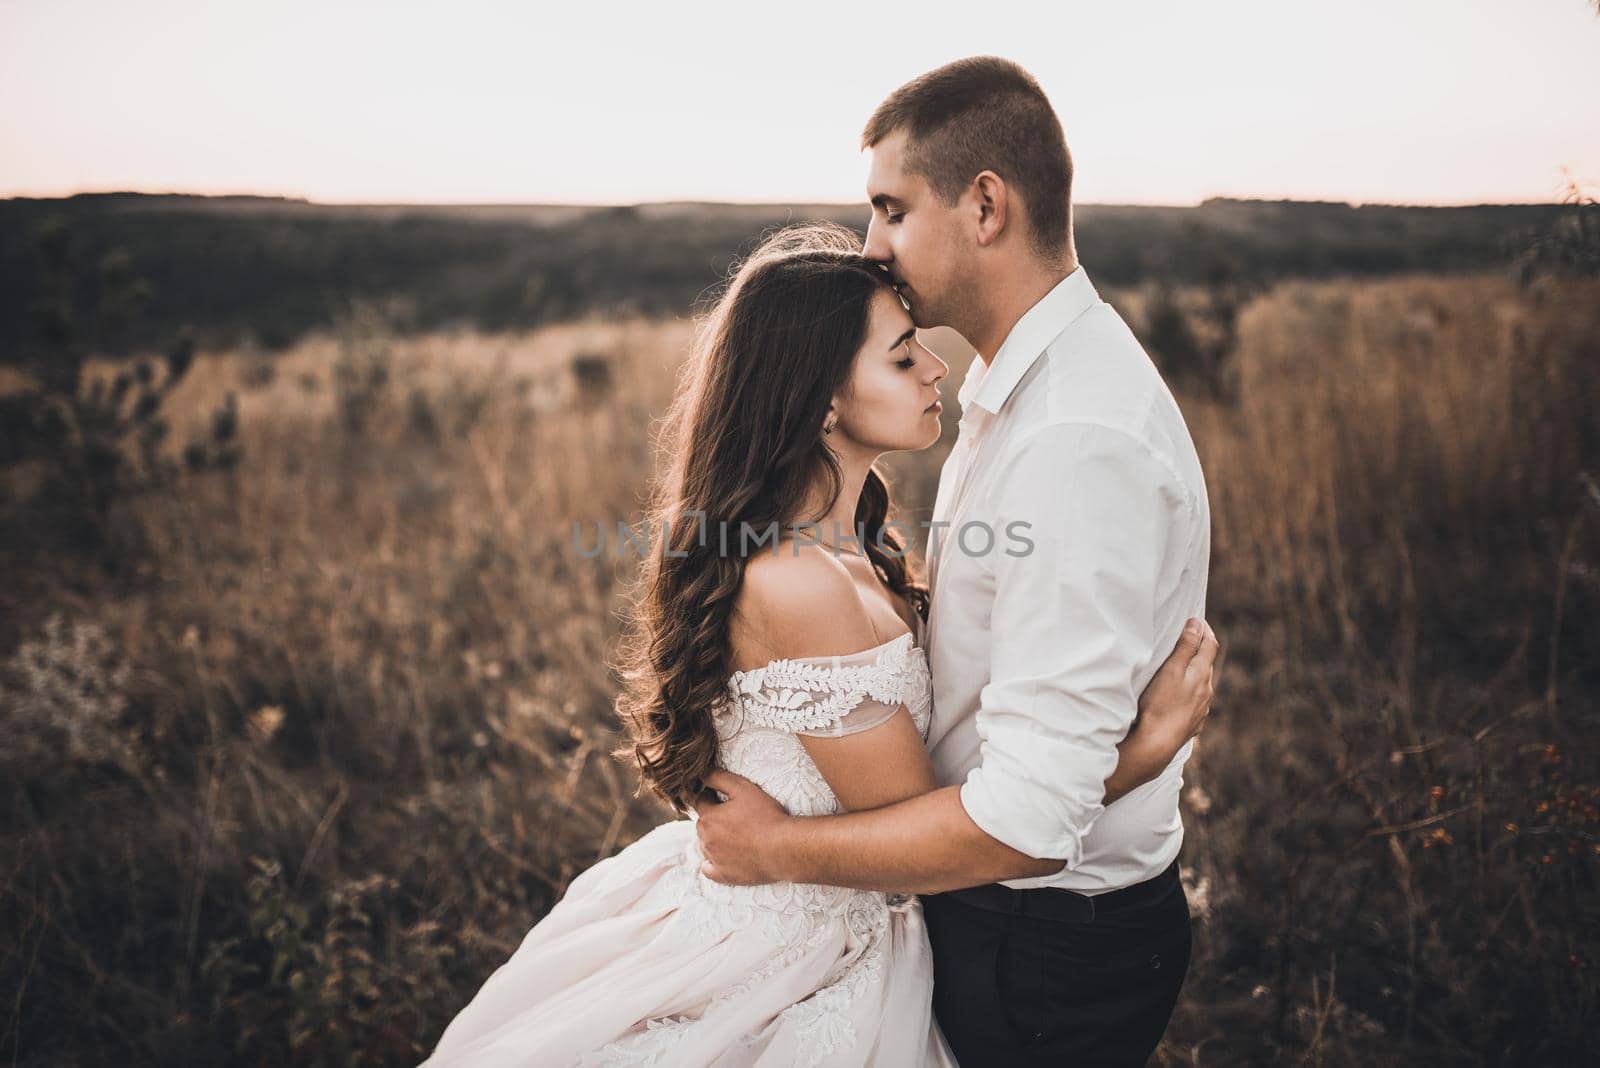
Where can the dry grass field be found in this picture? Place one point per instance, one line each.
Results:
(286, 785)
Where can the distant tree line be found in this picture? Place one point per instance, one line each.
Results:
(228, 269)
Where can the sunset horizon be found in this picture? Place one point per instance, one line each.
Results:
(1558, 197)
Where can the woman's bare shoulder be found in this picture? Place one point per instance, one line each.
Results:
(798, 604)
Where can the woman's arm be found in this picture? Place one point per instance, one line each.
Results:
(874, 767)
(806, 606)
(1172, 709)
(889, 763)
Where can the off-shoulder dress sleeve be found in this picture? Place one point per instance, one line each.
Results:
(829, 696)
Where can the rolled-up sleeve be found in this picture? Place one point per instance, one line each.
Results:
(1073, 625)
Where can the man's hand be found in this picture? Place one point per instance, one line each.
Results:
(738, 836)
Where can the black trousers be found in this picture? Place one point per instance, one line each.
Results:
(1023, 989)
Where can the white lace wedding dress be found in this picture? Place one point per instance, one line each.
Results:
(647, 962)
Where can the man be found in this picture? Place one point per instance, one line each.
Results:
(1059, 927)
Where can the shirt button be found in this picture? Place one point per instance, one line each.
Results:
(1155, 962)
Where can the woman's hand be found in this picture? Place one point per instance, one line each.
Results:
(1172, 709)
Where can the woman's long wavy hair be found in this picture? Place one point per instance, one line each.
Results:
(742, 445)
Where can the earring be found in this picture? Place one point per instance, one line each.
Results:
(833, 421)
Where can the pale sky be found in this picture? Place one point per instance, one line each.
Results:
(1410, 101)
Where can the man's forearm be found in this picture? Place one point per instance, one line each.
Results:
(928, 844)
(923, 845)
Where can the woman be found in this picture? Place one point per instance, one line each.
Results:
(646, 960)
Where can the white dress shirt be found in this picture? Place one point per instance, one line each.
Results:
(1041, 637)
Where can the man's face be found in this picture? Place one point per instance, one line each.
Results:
(917, 237)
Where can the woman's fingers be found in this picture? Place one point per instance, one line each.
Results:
(1216, 669)
(1181, 685)
(1205, 654)
(1189, 641)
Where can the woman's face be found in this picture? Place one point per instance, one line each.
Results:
(891, 401)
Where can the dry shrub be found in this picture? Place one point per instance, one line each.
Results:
(370, 699)
(1401, 834)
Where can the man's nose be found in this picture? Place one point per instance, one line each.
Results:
(873, 251)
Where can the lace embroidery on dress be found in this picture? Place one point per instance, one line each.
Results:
(834, 695)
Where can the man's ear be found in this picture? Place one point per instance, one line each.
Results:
(993, 203)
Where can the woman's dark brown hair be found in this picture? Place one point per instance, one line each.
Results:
(743, 444)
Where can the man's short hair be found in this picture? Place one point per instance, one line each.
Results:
(984, 113)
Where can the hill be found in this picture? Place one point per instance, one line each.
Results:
(125, 271)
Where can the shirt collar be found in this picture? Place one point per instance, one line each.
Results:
(970, 383)
(989, 386)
